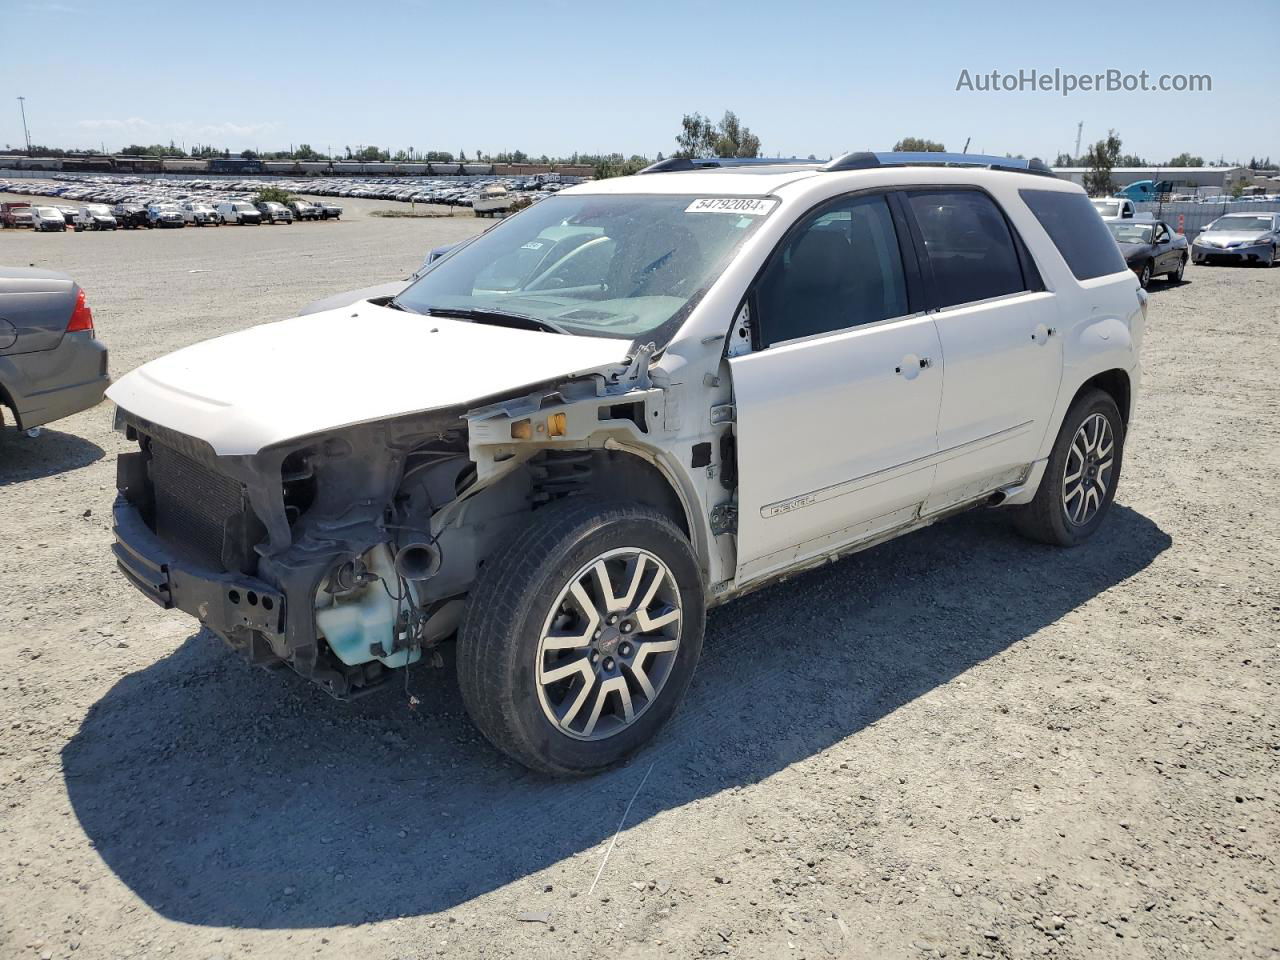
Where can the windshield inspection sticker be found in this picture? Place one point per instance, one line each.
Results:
(739, 205)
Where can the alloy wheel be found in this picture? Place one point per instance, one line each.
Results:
(609, 644)
(1086, 477)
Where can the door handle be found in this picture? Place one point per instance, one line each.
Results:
(911, 365)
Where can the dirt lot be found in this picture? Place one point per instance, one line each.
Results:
(958, 744)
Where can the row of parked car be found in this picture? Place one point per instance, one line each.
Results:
(197, 213)
(462, 191)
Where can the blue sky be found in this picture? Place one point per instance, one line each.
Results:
(552, 76)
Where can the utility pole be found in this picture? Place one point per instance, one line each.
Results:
(1079, 130)
(966, 144)
(22, 105)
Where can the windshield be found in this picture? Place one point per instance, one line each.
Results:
(246, 207)
(1130, 232)
(1107, 208)
(605, 266)
(1240, 224)
(47, 212)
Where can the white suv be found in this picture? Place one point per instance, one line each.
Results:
(633, 400)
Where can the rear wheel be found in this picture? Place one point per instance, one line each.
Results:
(581, 635)
(1176, 275)
(1079, 482)
(1144, 278)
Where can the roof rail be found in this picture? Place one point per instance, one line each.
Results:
(678, 164)
(870, 161)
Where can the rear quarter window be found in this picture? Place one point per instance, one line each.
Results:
(1078, 232)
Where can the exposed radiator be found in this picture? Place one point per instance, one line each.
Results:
(192, 504)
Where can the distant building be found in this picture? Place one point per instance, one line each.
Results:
(1184, 179)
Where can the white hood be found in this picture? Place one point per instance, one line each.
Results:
(280, 381)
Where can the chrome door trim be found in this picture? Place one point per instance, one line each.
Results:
(783, 507)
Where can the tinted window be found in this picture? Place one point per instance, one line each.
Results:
(969, 246)
(1078, 232)
(840, 269)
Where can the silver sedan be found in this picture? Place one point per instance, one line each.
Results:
(1239, 238)
(51, 364)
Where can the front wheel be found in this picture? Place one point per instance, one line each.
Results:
(581, 635)
(1079, 482)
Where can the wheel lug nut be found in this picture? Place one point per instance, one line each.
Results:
(625, 649)
(608, 663)
(626, 627)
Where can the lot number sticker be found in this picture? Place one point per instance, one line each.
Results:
(737, 205)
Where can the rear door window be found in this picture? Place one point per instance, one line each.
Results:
(970, 249)
(1077, 231)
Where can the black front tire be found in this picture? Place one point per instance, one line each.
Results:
(498, 640)
(1045, 518)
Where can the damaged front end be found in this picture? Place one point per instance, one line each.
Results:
(311, 553)
(349, 554)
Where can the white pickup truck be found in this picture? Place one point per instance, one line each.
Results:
(1118, 208)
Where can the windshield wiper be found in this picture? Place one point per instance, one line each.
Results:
(497, 318)
(395, 304)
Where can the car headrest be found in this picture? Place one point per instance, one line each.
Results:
(821, 259)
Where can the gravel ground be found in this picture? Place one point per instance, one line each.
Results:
(957, 744)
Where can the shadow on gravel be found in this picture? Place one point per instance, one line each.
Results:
(224, 795)
(27, 458)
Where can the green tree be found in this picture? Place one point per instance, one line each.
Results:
(1064, 160)
(1101, 158)
(615, 165)
(272, 195)
(918, 145)
(1186, 160)
(699, 137)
